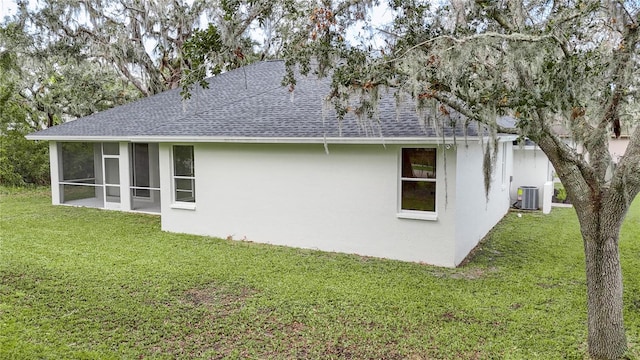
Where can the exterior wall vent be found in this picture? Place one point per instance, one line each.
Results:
(528, 197)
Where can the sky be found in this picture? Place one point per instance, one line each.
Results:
(7, 8)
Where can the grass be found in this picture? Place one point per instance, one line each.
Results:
(91, 284)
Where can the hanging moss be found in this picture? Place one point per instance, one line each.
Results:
(486, 169)
(490, 158)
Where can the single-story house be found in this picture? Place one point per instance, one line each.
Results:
(248, 159)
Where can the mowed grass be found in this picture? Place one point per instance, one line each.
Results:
(81, 283)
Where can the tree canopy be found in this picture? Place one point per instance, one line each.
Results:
(42, 85)
(146, 42)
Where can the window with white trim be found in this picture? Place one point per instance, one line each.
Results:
(184, 174)
(418, 180)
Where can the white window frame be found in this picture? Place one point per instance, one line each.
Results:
(417, 214)
(177, 204)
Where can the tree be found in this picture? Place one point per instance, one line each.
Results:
(245, 32)
(119, 32)
(21, 161)
(545, 63)
(42, 85)
(145, 40)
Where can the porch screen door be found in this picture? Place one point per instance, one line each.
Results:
(111, 166)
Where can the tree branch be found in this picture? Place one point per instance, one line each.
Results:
(621, 64)
(621, 4)
(569, 166)
(507, 26)
(626, 176)
(596, 143)
(459, 106)
(491, 34)
(125, 71)
(502, 21)
(344, 6)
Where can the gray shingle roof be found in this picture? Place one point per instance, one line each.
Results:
(250, 103)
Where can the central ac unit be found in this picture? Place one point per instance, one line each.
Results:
(528, 197)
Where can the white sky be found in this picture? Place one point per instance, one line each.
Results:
(380, 15)
(7, 8)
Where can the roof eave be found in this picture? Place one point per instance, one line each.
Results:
(264, 140)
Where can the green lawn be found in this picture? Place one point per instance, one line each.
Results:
(91, 284)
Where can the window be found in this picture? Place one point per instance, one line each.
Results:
(418, 180)
(110, 149)
(183, 174)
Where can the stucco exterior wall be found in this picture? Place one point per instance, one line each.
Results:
(476, 213)
(617, 147)
(297, 195)
(531, 167)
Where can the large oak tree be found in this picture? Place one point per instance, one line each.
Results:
(42, 85)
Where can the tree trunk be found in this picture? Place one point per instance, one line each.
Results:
(606, 337)
(601, 211)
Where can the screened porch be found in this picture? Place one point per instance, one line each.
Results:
(108, 175)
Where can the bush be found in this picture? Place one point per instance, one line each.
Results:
(22, 161)
(559, 194)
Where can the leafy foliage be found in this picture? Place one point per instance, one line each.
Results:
(44, 84)
(118, 33)
(160, 44)
(22, 161)
(241, 32)
(202, 39)
(207, 54)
